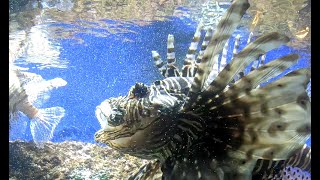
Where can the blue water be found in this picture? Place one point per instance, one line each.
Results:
(104, 67)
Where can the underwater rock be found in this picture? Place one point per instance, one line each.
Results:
(69, 160)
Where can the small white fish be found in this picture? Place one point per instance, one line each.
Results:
(42, 121)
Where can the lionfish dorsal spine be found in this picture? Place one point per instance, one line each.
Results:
(225, 28)
(204, 44)
(217, 66)
(171, 70)
(255, 62)
(159, 63)
(223, 61)
(261, 75)
(188, 68)
(234, 52)
(250, 53)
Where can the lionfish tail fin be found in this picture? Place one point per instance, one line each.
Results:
(44, 123)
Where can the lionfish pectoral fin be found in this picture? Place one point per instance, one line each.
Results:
(276, 118)
(44, 123)
(150, 171)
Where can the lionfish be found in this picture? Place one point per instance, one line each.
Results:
(27, 91)
(203, 123)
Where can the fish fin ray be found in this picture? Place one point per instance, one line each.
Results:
(250, 53)
(150, 171)
(188, 67)
(44, 123)
(159, 63)
(225, 28)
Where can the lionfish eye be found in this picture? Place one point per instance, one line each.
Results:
(139, 90)
(116, 118)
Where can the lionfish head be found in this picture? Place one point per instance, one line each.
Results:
(126, 119)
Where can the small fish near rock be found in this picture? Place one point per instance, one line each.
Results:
(211, 120)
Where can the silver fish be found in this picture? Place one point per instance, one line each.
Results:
(22, 100)
(221, 129)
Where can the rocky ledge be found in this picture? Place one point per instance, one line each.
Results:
(82, 161)
(69, 160)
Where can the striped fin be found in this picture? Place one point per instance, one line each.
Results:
(250, 53)
(217, 67)
(249, 38)
(262, 59)
(277, 117)
(159, 63)
(268, 169)
(150, 171)
(224, 30)
(255, 65)
(204, 44)
(261, 75)
(256, 62)
(234, 53)
(223, 62)
(265, 167)
(302, 159)
(236, 45)
(188, 69)
(172, 70)
(171, 58)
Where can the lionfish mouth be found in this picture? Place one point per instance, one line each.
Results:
(103, 113)
(111, 122)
